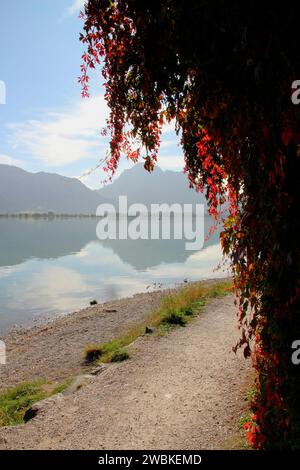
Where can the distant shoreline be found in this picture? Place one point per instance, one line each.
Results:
(46, 215)
(36, 215)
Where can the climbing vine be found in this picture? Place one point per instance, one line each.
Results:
(222, 72)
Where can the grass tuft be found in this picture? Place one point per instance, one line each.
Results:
(175, 318)
(14, 402)
(119, 356)
(92, 353)
(175, 310)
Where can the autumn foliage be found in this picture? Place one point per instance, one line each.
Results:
(222, 71)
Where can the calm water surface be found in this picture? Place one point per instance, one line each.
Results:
(57, 266)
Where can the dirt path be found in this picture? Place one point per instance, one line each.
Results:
(180, 391)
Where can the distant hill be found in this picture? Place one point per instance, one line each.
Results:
(152, 188)
(21, 191)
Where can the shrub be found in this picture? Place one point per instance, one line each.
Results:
(92, 353)
(119, 356)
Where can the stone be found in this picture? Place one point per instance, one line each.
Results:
(149, 330)
(41, 406)
(78, 382)
(98, 370)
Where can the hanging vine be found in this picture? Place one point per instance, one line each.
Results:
(223, 74)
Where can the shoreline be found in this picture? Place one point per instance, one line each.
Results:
(182, 389)
(47, 318)
(54, 349)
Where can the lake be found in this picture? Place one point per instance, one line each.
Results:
(56, 266)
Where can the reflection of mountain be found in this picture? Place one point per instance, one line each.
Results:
(143, 254)
(21, 240)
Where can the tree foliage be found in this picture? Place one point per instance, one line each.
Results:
(223, 72)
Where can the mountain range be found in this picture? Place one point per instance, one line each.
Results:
(147, 188)
(22, 191)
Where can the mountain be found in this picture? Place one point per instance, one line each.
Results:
(152, 188)
(21, 191)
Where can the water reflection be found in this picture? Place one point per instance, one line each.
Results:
(58, 266)
(22, 239)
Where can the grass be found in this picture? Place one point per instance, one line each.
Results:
(113, 351)
(14, 402)
(175, 310)
(119, 356)
(177, 317)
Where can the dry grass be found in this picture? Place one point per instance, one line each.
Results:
(175, 310)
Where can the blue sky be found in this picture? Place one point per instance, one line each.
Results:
(45, 125)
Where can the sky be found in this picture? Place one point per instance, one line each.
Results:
(45, 124)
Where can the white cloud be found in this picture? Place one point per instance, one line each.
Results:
(64, 137)
(200, 265)
(75, 8)
(170, 141)
(169, 127)
(72, 134)
(7, 271)
(59, 288)
(8, 160)
(170, 162)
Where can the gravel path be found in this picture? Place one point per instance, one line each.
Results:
(183, 390)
